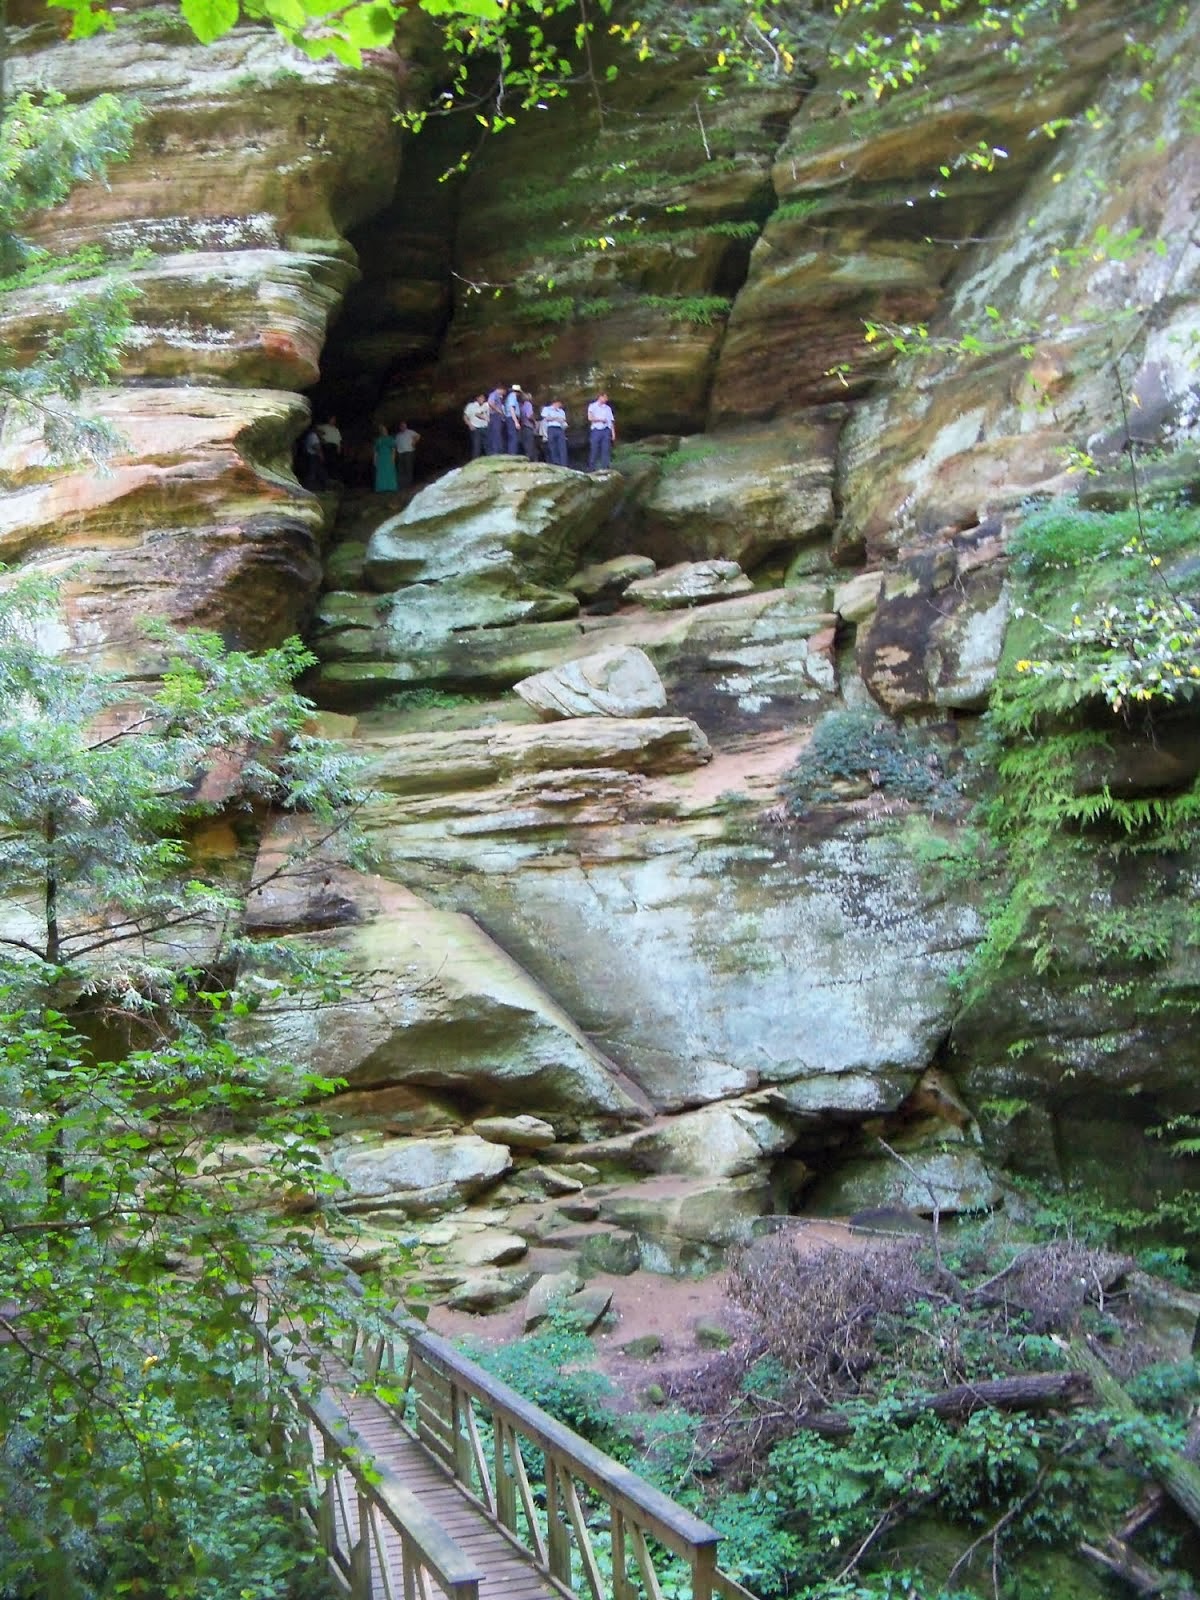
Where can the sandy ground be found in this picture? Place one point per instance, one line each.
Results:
(649, 1303)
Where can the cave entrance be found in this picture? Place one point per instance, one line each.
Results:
(382, 350)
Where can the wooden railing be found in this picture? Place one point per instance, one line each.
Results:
(380, 1542)
(589, 1523)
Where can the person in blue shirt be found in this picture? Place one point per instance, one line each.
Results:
(512, 420)
(554, 420)
(495, 428)
(602, 433)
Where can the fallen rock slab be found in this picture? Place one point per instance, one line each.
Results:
(470, 758)
(618, 682)
(419, 1175)
(521, 1132)
(691, 583)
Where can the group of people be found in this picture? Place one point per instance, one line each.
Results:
(395, 454)
(507, 422)
(321, 457)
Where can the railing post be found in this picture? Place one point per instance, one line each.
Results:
(458, 1432)
(558, 1539)
(506, 1487)
(360, 1554)
(408, 1569)
(623, 1589)
(704, 1566)
(326, 1520)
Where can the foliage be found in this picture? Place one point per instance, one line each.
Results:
(860, 746)
(1094, 658)
(553, 1367)
(134, 1251)
(99, 785)
(46, 148)
(158, 1186)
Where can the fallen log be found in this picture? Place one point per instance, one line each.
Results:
(1116, 1557)
(1030, 1391)
(1178, 1476)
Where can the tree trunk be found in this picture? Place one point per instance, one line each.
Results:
(1033, 1391)
(1178, 1476)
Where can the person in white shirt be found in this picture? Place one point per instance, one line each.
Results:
(475, 415)
(602, 429)
(406, 445)
(554, 421)
(331, 441)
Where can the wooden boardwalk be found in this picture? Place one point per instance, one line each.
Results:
(429, 1479)
(507, 1571)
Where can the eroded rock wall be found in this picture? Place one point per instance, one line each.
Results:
(606, 921)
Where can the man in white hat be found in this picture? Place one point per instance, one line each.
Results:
(512, 420)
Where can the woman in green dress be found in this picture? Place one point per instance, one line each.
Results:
(385, 462)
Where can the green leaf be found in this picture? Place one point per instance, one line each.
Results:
(209, 19)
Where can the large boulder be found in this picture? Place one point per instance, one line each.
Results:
(197, 520)
(743, 495)
(618, 682)
(501, 521)
(429, 1000)
(418, 1176)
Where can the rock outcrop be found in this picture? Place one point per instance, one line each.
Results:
(607, 1001)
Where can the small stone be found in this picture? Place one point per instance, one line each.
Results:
(691, 583)
(618, 682)
(549, 1293)
(588, 1306)
(607, 579)
(856, 599)
(654, 1394)
(578, 1169)
(438, 1236)
(519, 1133)
(711, 1335)
(489, 1248)
(552, 1180)
(579, 1210)
(643, 1347)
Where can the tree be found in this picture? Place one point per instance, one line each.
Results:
(157, 1188)
(46, 148)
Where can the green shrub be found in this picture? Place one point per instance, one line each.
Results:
(552, 1368)
(850, 746)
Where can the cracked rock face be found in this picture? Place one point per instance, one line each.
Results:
(600, 926)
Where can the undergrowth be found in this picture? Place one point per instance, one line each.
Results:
(866, 749)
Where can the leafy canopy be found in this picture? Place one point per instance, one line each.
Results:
(158, 1186)
(47, 147)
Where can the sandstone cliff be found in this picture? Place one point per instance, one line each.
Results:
(607, 920)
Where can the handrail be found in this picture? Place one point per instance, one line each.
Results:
(454, 1570)
(552, 1520)
(378, 1493)
(668, 1521)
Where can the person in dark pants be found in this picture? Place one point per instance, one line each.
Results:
(406, 447)
(602, 431)
(554, 420)
(475, 418)
(512, 420)
(312, 462)
(529, 438)
(495, 427)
